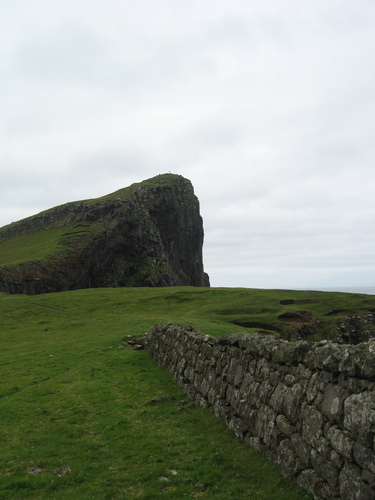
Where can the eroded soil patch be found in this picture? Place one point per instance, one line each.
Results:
(295, 317)
(257, 324)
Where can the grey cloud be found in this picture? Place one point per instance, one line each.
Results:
(266, 106)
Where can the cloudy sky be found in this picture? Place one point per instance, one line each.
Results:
(267, 106)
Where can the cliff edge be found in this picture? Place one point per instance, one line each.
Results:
(148, 234)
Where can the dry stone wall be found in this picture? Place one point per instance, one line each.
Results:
(308, 407)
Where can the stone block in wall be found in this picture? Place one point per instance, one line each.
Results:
(200, 365)
(252, 368)
(203, 385)
(246, 384)
(219, 365)
(287, 460)
(285, 426)
(312, 388)
(303, 374)
(289, 353)
(312, 482)
(265, 391)
(181, 365)
(278, 396)
(359, 415)
(368, 478)
(234, 399)
(251, 418)
(260, 347)
(328, 471)
(312, 425)
(263, 369)
(188, 373)
(289, 379)
(342, 441)
(287, 400)
(229, 371)
(302, 450)
(333, 402)
(275, 377)
(352, 485)
(368, 368)
(293, 402)
(328, 452)
(238, 426)
(211, 377)
(238, 375)
(266, 428)
(207, 350)
(254, 391)
(325, 355)
(223, 411)
(220, 387)
(364, 456)
(211, 396)
(355, 385)
(359, 361)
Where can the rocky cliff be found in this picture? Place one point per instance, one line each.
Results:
(148, 234)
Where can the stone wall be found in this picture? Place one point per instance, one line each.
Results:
(308, 407)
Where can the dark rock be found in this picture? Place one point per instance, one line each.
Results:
(34, 470)
(63, 471)
(138, 347)
(158, 400)
(149, 234)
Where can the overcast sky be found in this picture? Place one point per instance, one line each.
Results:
(267, 106)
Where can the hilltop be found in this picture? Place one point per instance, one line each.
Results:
(147, 234)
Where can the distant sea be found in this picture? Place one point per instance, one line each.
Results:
(369, 290)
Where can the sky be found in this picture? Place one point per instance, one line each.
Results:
(267, 106)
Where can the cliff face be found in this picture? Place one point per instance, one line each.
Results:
(149, 234)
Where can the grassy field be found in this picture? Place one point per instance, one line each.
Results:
(42, 244)
(70, 397)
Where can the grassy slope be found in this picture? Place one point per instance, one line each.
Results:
(69, 396)
(40, 245)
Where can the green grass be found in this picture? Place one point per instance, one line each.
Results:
(69, 396)
(42, 244)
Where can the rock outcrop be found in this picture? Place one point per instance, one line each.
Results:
(149, 234)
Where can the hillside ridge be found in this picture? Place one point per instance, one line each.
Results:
(147, 234)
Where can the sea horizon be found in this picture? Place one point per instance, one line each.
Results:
(368, 290)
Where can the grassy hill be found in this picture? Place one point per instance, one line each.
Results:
(70, 397)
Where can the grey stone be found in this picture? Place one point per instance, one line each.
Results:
(333, 402)
(285, 426)
(310, 481)
(359, 414)
(302, 449)
(312, 425)
(325, 468)
(364, 456)
(352, 485)
(287, 459)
